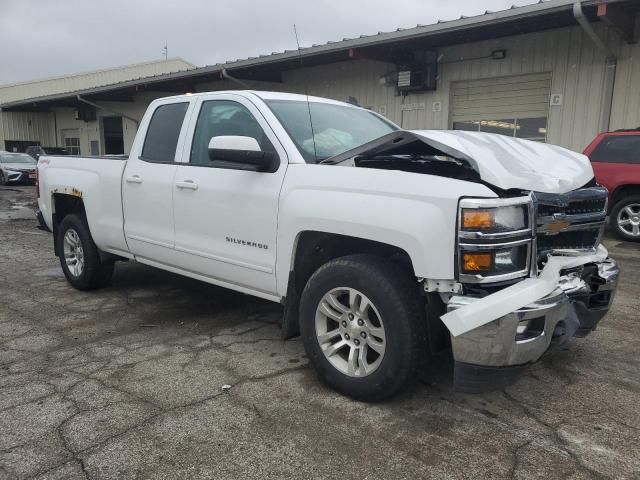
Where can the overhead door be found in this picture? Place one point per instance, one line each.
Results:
(516, 106)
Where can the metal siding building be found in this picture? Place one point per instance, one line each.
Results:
(530, 71)
(97, 78)
(565, 56)
(49, 128)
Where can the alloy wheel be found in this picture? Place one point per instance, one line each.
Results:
(350, 332)
(629, 220)
(73, 252)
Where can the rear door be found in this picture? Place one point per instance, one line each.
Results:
(147, 184)
(226, 216)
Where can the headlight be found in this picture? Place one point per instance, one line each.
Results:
(495, 220)
(495, 239)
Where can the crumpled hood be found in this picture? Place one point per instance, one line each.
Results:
(508, 162)
(18, 166)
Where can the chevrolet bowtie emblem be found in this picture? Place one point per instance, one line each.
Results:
(556, 226)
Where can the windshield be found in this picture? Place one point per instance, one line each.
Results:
(336, 128)
(16, 158)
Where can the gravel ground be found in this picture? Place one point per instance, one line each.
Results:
(130, 382)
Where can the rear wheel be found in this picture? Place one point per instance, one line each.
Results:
(362, 325)
(625, 218)
(79, 256)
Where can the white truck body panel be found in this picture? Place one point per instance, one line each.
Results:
(98, 182)
(413, 212)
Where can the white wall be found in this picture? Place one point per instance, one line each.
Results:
(27, 126)
(626, 94)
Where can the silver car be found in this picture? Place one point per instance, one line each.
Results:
(16, 167)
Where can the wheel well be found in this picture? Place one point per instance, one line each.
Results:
(623, 191)
(314, 249)
(62, 205)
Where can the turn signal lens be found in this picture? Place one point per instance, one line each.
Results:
(476, 262)
(477, 219)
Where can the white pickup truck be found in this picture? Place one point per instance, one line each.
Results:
(385, 246)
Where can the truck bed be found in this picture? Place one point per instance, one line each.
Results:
(97, 180)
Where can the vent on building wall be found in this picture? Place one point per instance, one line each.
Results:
(86, 114)
(420, 74)
(417, 80)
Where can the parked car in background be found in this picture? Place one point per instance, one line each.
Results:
(16, 168)
(615, 157)
(36, 150)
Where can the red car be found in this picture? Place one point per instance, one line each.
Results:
(615, 157)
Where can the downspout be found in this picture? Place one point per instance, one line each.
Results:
(55, 127)
(226, 75)
(100, 107)
(606, 100)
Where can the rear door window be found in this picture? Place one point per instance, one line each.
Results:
(162, 134)
(617, 149)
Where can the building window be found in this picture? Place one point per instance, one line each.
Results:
(528, 128)
(72, 144)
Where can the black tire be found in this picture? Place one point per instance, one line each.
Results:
(613, 217)
(396, 296)
(95, 274)
(3, 180)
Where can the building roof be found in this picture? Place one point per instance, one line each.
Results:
(88, 80)
(386, 46)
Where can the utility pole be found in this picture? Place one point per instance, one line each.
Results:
(165, 50)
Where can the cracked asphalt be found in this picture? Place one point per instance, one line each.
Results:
(158, 376)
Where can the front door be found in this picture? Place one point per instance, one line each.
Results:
(147, 186)
(226, 217)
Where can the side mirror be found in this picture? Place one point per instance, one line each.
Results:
(241, 150)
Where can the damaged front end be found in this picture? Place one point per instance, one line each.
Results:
(491, 356)
(530, 270)
(499, 328)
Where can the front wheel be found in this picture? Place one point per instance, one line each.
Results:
(362, 324)
(79, 256)
(624, 219)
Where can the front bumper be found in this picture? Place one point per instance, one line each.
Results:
(17, 176)
(581, 298)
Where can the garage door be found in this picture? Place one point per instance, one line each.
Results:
(516, 106)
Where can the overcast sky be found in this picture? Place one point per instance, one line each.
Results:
(43, 38)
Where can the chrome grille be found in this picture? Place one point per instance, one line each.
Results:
(570, 222)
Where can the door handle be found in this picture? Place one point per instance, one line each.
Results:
(188, 184)
(134, 179)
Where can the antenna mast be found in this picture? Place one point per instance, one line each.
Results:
(306, 92)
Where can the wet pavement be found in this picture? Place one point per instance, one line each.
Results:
(158, 376)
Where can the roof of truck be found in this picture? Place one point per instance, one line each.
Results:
(267, 95)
